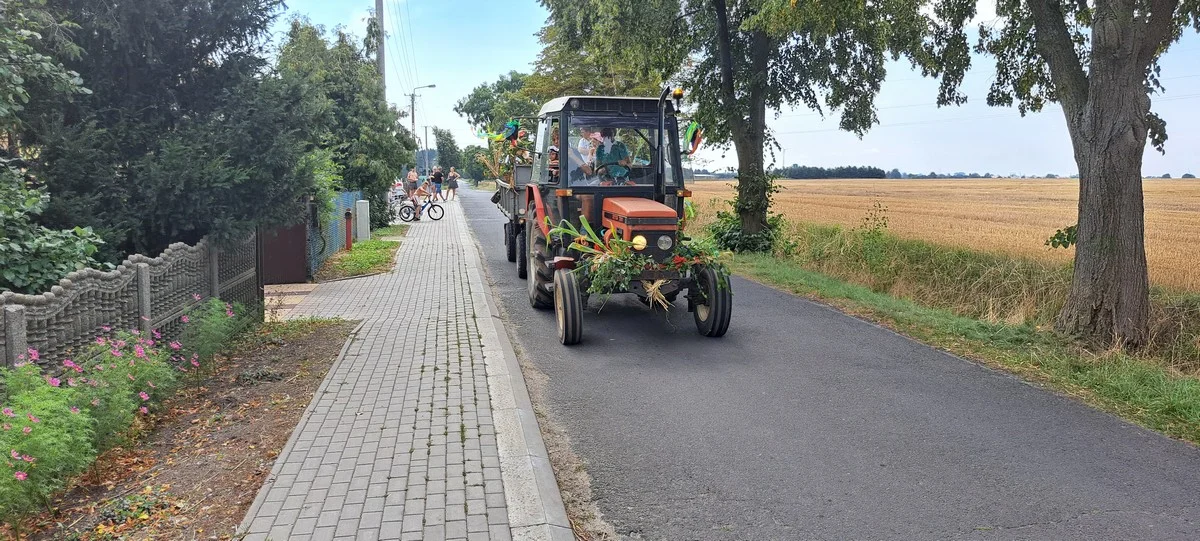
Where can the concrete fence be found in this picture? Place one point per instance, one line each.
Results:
(143, 293)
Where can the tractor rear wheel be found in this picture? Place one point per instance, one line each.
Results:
(510, 243)
(713, 303)
(522, 260)
(568, 307)
(541, 276)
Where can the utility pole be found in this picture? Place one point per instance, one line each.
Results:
(381, 45)
(426, 150)
(412, 107)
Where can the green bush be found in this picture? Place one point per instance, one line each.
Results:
(44, 437)
(210, 327)
(34, 258)
(727, 232)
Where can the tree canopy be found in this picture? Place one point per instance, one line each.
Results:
(448, 153)
(490, 105)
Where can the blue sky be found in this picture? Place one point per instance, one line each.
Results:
(458, 44)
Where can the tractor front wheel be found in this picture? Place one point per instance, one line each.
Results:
(568, 307)
(537, 256)
(712, 302)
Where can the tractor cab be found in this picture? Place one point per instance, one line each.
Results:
(614, 161)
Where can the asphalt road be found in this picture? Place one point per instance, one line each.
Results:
(804, 423)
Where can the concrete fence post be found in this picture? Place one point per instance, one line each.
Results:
(214, 273)
(143, 297)
(16, 343)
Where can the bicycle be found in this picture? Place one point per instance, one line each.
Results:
(409, 212)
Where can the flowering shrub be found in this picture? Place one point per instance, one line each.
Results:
(44, 437)
(53, 425)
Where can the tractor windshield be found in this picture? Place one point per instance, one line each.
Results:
(615, 150)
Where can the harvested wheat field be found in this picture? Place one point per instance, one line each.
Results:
(1012, 216)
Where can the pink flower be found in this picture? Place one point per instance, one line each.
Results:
(7, 426)
(106, 328)
(21, 476)
(120, 343)
(183, 319)
(229, 313)
(54, 382)
(33, 419)
(100, 340)
(28, 458)
(116, 353)
(149, 343)
(139, 352)
(33, 354)
(9, 412)
(144, 410)
(27, 429)
(157, 335)
(196, 296)
(195, 363)
(74, 409)
(135, 331)
(16, 455)
(175, 345)
(100, 367)
(144, 396)
(71, 382)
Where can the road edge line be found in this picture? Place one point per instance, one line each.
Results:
(534, 501)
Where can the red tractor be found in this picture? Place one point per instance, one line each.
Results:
(612, 163)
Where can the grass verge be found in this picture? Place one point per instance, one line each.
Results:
(395, 230)
(365, 257)
(486, 185)
(1145, 392)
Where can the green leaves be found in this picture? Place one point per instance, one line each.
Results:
(34, 258)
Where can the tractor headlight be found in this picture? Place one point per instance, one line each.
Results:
(639, 243)
(665, 243)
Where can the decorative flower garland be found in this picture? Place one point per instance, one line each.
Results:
(613, 262)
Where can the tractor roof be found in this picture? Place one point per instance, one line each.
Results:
(593, 104)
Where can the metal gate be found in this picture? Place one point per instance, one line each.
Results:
(285, 256)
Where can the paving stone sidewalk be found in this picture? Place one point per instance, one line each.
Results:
(399, 442)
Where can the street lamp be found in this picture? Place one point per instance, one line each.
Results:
(412, 112)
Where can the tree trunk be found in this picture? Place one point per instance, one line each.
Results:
(1110, 292)
(754, 188)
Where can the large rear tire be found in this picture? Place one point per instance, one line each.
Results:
(568, 307)
(436, 212)
(714, 304)
(540, 274)
(510, 243)
(523, 260)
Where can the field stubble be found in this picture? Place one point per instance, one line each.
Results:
(1004, 216)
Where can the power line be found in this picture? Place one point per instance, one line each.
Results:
(416, 74)
(400, 51)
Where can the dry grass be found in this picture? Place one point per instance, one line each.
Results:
(1008, 216)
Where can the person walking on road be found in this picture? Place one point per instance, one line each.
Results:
(412, 180)
(437, 179)
(451, 184)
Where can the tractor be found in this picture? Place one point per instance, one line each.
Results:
(606, 175)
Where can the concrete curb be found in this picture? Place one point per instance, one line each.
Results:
(291, 442)
(535, 505)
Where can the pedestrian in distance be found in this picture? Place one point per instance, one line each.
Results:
(438, 177)
(451, 184)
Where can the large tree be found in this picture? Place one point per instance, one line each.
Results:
(448, 154)
(186, 133)
(1099, 61)
(736, 63)
(370, 145)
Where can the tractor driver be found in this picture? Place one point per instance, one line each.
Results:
(613, 158)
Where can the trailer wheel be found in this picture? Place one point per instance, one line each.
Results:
(522, 262)
(541, 277)
(510, 244)
(712, 303)
(568, 307)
